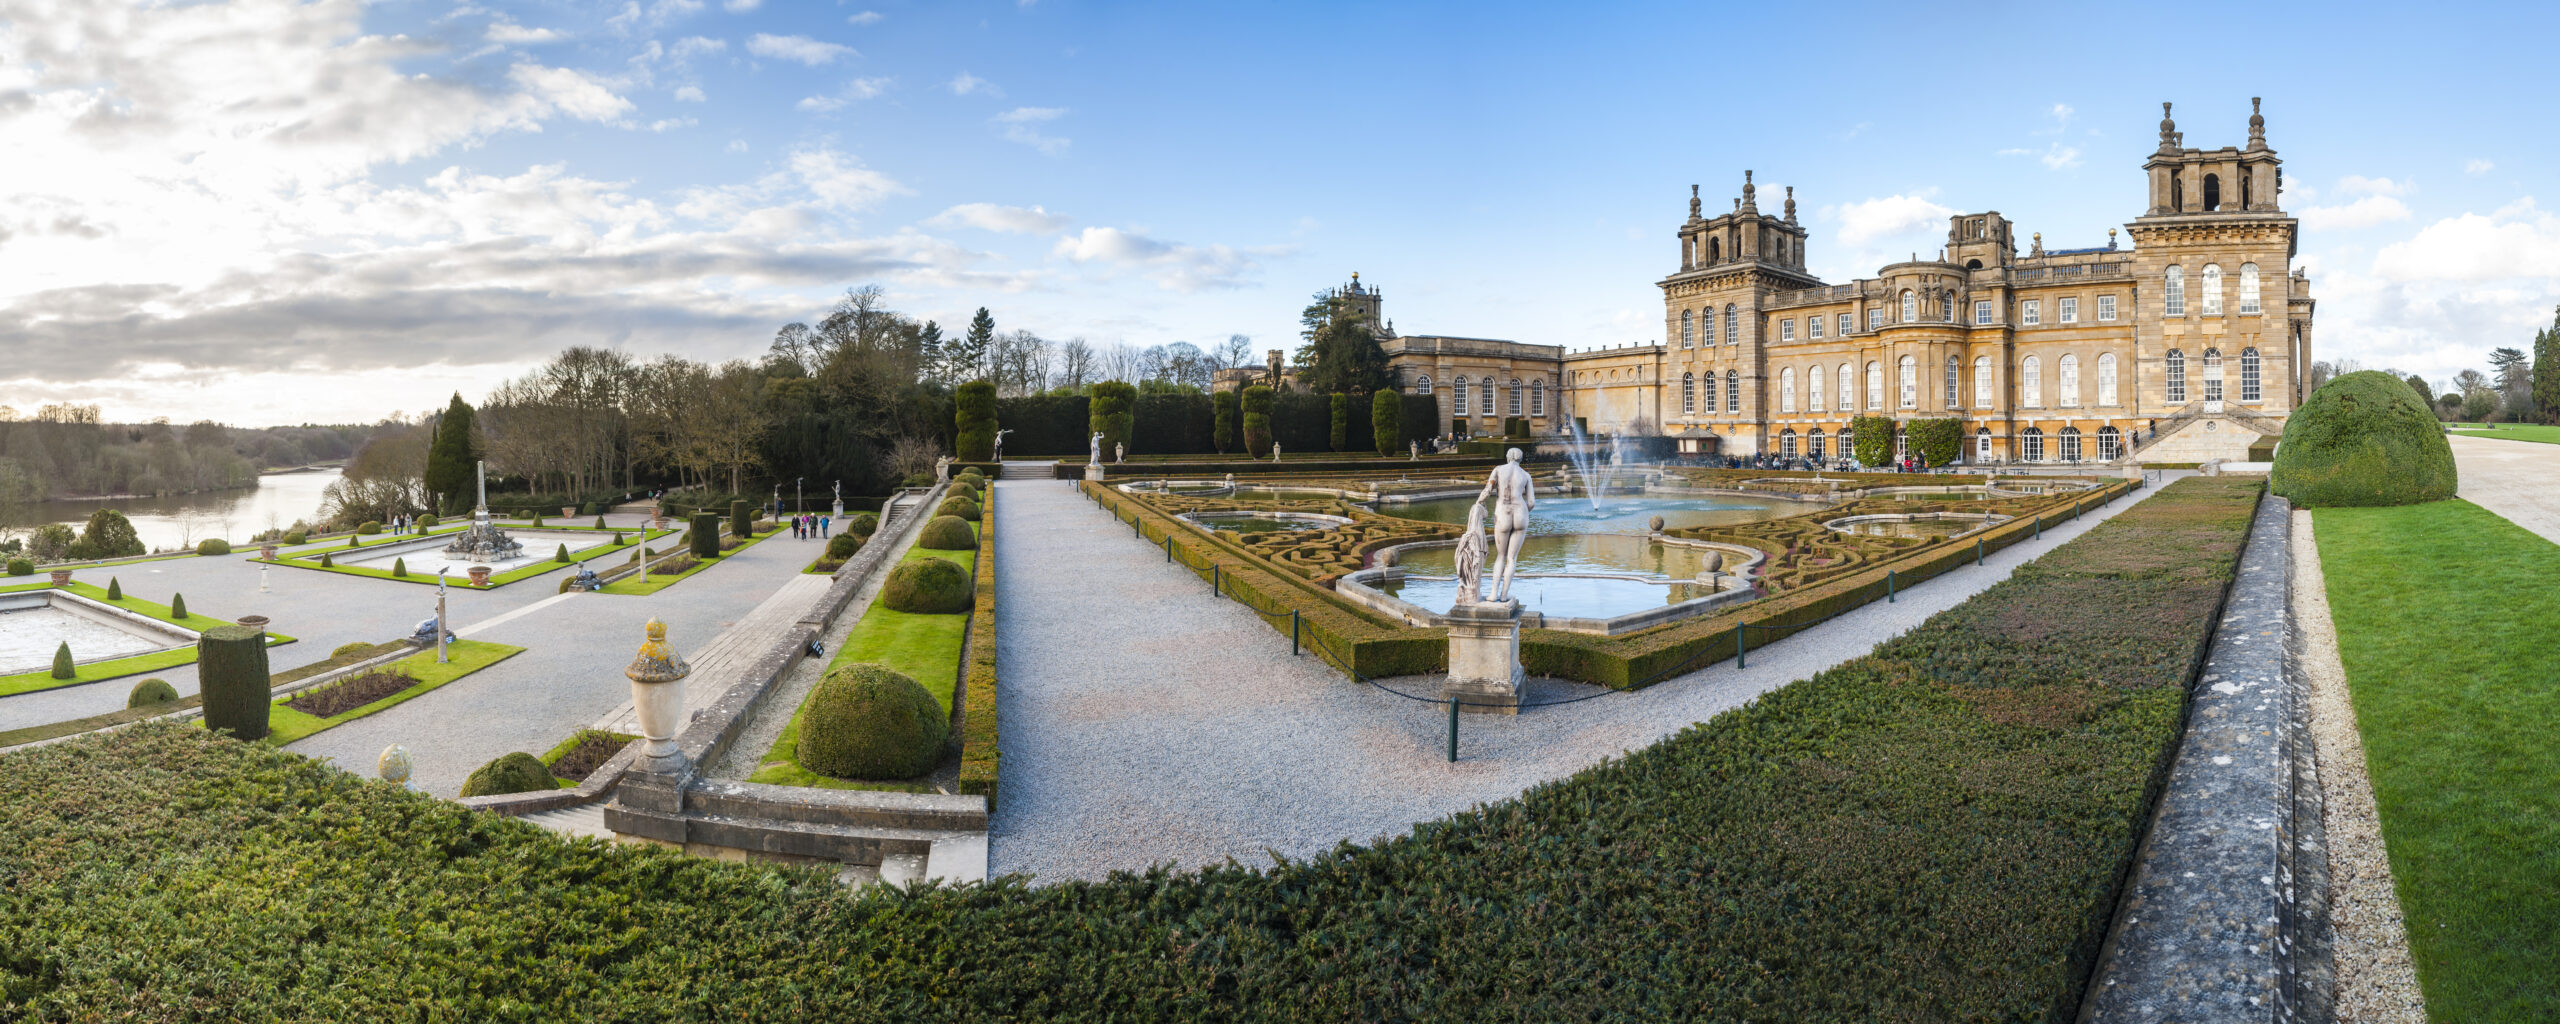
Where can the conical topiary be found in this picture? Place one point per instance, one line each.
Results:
(562, 555)
(599, 522)
(400, 568)
(115, 589)
(178, 606)
(62, 661)
(355, 540)
(537, 518)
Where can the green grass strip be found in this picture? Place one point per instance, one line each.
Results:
(2544, 433)
(925, 648)
(42, 679)
(310, 559)
(2445, 617)
(285, 725)
(630, 586)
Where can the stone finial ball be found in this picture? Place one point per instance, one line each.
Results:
(393, 765)
(1654, 523)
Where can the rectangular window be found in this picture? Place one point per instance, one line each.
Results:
(1981, 311)
(1844, 325)
(1813, 327)
(2031, 312)
(1875, 318)
(2106, 308)
(2070, 310)
(1787, 329)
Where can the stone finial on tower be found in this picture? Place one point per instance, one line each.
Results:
(2036, 246)
(2168, 130)
(1693, 202)
(1791, 204)
(2111, 239)
(2257, 126)
(1749, 194)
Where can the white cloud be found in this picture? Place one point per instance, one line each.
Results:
(966, 84)
(864, 18)
(1019, 126)
(2362, 213)
(2478, 166)
(693, 46)
(1874, 220)
(2055, 156)
(807, 51)
(1020, 220)
(2518, 241)
(570, 91)
(2357, 185)
(689, 93)
(741, 6)
(1181, 268)
(508, 33)
(672, 123)
(854, 91)
(737, 145)
(840, 180)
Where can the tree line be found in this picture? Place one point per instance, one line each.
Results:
(68, 450)
(2516, 387)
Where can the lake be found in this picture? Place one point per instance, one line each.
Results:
(180, 520)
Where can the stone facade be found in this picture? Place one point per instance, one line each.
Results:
(2191, 344)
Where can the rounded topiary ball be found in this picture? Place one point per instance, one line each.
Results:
(151, 691)
(927, 585)
(352, 649)
(864, 525)
(866, 722)
(961, 507)
(213, 546)
(960, 490)
(2363, 439)
(518, 772)
(947, 533)
(843, 545)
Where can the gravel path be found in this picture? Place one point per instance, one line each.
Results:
(2515, 479)
(2376, 982)
(1146, 722)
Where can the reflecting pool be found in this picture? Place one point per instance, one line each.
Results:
(1586, 597)
(1575, 514)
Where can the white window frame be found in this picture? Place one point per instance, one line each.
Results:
(2110, 444)
(2031, 382)
(1955, 383)
(2031, 445)
(2066, 371)
(2252, 376)
(1688, 394)
(1982, 444)
(1906, 373)
(1538, 397)
(1458, 388)
(2212, 284)
(1848, 324)
(1787, 390)
(2173, 374)
(1732, 324)
(1513, 403)
(1484, 404)
(2173, 291)
(2031, 312)
(1732, 391)
(2106, 308)
(2249, 299)
(1813, 328)
(1910, 307)
(1813, 388)
(2070, 437)
(2213, 375)
(1848, 397)
(2067, 309)
(1688, 328)
(1875, 384)
(1787, 330)
(1983, 384)
(2106, 379)
(1422, 386)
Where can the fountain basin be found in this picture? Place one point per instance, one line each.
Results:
(33, 623)
(1613, 513)
(1926, 525)
(1251, 522)
(423, 556)
(1572, 583)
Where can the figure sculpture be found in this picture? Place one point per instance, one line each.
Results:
(1471, 558)
(1513, 494)
(1095, 459)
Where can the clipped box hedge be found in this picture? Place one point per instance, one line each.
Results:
(979, 762)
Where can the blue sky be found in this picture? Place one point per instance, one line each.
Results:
(274, 211)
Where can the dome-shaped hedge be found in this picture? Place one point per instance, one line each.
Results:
(866, 722)
(518, 772)
(865, 525)
(961, 507)
(929, 586)
(947, 533)
(961, 490)
(151, 691)
(2364, 438)
(843, 545)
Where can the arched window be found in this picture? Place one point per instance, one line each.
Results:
(1688, 394)
(1688, 328)
(2248, 289)
(1910, 307)
(1875, 385)
(1484, 403)
(1848, 388)
(1982, 382)
(2031, 445)
(2174, 367)
(1955, 385)
(1538, 397)
(1787, 390)
(1715, 250)
(1422, 386)
(2068, 368)
(2248, 181)
(2212, 192)
(1848, 443)
(1813, 381)
(2070, 444)
(1947, 306)
(2213, 289)
(2110, 444)
(1458, 387)
(1787, 443)
(1813, 442)
(1907, 374)
(1512, 407)
(2175, 291)
(2213, 375)
(1732, 391)
(1982, 445)
(2031, 382)
(2177, 192)
(1901, 443)
(2249, 390)
(1732, 325)
(2106, 378)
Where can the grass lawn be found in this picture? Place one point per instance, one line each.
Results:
(309, 558)
(42, 679)
(285, 725)
(630, 586)
(2445, 618)
(2542, 432)
(925, 648)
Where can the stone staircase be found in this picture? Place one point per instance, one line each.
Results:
(585, 819)
(2170, 425)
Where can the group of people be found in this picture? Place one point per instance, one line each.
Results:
(811, 527)
(403, 524)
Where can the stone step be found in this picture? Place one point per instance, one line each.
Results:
(585, 819)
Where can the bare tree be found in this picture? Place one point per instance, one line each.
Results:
(1233, 352)
(910, 455)
(1075, 365)
(1119, 362)
(733, 419)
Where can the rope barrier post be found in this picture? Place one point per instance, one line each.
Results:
(2039, 526)
(1741, 652)
(1168, 545)
(1888, 586)
(1293, 632)
(1977, 552)
(1214, 580)
(1453, 730)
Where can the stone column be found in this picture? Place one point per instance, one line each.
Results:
(1484, 658)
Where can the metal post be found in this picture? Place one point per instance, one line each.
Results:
(1168, 546)
(1977, 552)
(2039, 526)
(1741, 650)
(1213, 580)
(1453, 730)
(1293, 632)
(1888, 586)
(440, 619)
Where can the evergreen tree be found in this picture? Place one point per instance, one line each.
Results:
(2546, 370)
(968, 356)
(2425, 394)
(1348, 359)
(451, 454)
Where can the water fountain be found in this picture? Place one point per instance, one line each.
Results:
(1579, 454)
(484, 541)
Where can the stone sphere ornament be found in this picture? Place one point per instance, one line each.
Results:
(1655, 524)
(394, 765)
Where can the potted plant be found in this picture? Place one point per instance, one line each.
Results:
(479, 575)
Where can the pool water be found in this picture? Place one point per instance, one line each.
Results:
(29, 637)
(1255, 522)
(1587, 552)
(1585, 597)
(1620, 515)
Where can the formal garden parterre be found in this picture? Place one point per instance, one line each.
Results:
(82, 669)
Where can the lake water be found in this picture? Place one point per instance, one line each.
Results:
(180, 520)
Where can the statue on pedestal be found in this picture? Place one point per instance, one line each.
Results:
(1513, 494)
(1095, 459)
(1471, 558)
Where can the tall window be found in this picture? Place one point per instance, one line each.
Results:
(1901, 443)
(1485, 402)
(1787, 329)
(1910, 307)
(2176, 291)
(1732, 391)
(2213, 375)
(1875, 317)
(2031, 445)
(2106, 309)
(1982, 445)
(1907, 374)
(2031, 382)
(1875, 385)
(2248, 289)
(1513, 404)
(2249, 390)
(1982, 382)
(1813, 328)
(1813, 441)
(1845, 323)
(1688, 328)
(1538, 397)
(1813, 383)
(2110, 444)
(2213, 289)
(2031, 312)
(1732, 325)
(1423, 386)
(1458, 387)
(2106, 378)
(1981, 312)
(1955, 386)
(2070, 444)
(2067, 309)
(1787, 390)
(1787, 443)
(1848, 388)
(2175, 367)
(1688, 394)
(2068, 368)
(1947, 307)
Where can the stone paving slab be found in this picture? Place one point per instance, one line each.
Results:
(2518, 480)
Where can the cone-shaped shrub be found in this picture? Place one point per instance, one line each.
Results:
(400, 568)
(704, 535)
(537, 517)
(599, 522)
(115, 589)
(62, 667)
(518, 772)
(947, 533)
(931, 586)
(326, 562)
(231, 669)
(867, 722)
(178, 606)
(149, 692)
(562, 555)
(355, 540)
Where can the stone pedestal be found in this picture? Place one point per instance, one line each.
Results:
(1093, 471)
(1484, 658)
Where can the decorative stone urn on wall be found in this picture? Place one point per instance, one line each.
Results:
(479, 575)
(657, 694)
(568, 510)
(61, 577)
(267, 551)
(256, 622)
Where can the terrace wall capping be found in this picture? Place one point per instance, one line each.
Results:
(2225, 915)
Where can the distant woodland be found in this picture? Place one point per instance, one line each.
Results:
(66, 451)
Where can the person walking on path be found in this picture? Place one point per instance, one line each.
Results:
(824, 521)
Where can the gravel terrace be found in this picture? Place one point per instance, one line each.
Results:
(1146, 722)
(2518, 480)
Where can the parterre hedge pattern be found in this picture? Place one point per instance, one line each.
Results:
(978, 720)
(1882, 842)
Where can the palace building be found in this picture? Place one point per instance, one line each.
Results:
(2189, 344)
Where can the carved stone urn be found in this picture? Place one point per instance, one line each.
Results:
(61, 577)
(657, 693)
(479, 575)
(267, 551)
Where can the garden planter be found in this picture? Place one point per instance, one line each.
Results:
(267, 551)
(61, 577)
(568, 510)
(256, 622)
(479, 575)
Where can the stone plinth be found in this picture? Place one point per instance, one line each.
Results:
(1484, 658)
(1093, 471)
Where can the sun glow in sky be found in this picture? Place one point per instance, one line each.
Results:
(263, 211)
